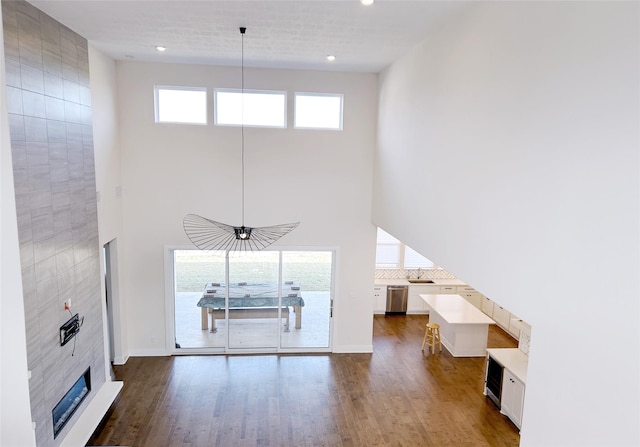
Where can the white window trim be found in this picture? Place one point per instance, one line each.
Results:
(400, 265)
(331, 95)
(156, 110)
(237, 90)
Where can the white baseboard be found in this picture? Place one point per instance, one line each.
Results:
(354, 349)
(149, 353)
(89, 419)
(120, 360)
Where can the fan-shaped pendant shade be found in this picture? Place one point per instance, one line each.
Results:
(207, 234)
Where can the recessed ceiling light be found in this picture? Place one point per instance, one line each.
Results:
(366, 2)
(331, 58)
(160, 48)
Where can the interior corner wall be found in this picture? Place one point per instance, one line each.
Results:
(517, 126)
(320, 178)
(15, 411)
(49, 115)
(106, 136)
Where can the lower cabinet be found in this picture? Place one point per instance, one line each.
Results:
(445, 290)
(415, 303)
(512, 401)
(474, 298)
(501, 316)
(379, 298)
(487, 306)
(514, 329)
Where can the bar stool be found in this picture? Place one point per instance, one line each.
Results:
(432, 337)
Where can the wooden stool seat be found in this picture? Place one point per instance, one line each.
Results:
(432, 337)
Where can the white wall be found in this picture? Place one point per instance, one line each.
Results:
(517, 126)
(15, 409)
(320, 178)
(108, 182)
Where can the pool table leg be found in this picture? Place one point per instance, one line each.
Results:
(205, 324)
(298, 311)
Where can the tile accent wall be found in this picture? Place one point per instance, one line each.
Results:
(49, 108)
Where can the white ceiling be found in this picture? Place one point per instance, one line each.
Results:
(294, 34)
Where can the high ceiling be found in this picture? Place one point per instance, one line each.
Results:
(294, 34)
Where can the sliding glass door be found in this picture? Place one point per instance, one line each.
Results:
(312, 272)
(270, 300)
(195, 272)
(254, 307)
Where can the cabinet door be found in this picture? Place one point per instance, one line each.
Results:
(487, 306)
(473, 298)
(514, 330)
(512, 400)
(417, 304)
(448, 289)
(501, 316)
(379, 299)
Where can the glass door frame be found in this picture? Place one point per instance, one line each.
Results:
(170, 291)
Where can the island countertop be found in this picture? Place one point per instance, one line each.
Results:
(463, 327)
(456, 310)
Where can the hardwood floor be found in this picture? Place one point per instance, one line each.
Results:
(396, 396)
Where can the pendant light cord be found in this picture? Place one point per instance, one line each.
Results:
(242, 30)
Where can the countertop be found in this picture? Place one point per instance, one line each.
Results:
(456, 310)
(405, 282)
(513, 359)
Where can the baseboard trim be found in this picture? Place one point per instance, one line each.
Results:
(354, 349)
(149, 353)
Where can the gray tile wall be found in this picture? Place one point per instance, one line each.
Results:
(49, 109)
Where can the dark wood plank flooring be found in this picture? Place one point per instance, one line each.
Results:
(396, 396)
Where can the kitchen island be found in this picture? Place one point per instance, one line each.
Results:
(463, 327)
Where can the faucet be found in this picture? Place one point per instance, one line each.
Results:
(419, 272)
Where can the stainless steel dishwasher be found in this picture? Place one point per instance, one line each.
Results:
(397, 297)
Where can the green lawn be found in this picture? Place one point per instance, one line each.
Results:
(196, 268)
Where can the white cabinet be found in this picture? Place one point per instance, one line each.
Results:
(514, 328)
(379, 299)
(471, 295)
(512, 400)
(416, 304)
(447, 289)
(501, 316)
(487, 306)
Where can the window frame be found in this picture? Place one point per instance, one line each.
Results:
(245, 92)
(156, 103)
(317, 94)
(402, 249)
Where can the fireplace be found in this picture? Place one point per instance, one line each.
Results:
(70, 402)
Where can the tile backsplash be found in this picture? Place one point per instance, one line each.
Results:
(413, 273)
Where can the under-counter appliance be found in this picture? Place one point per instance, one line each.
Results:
(397, 297)
(494, 380)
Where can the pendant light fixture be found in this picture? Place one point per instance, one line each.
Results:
(207, 234)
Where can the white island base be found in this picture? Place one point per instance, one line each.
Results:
(464, 329)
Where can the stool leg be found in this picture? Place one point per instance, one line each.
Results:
(424, 339)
